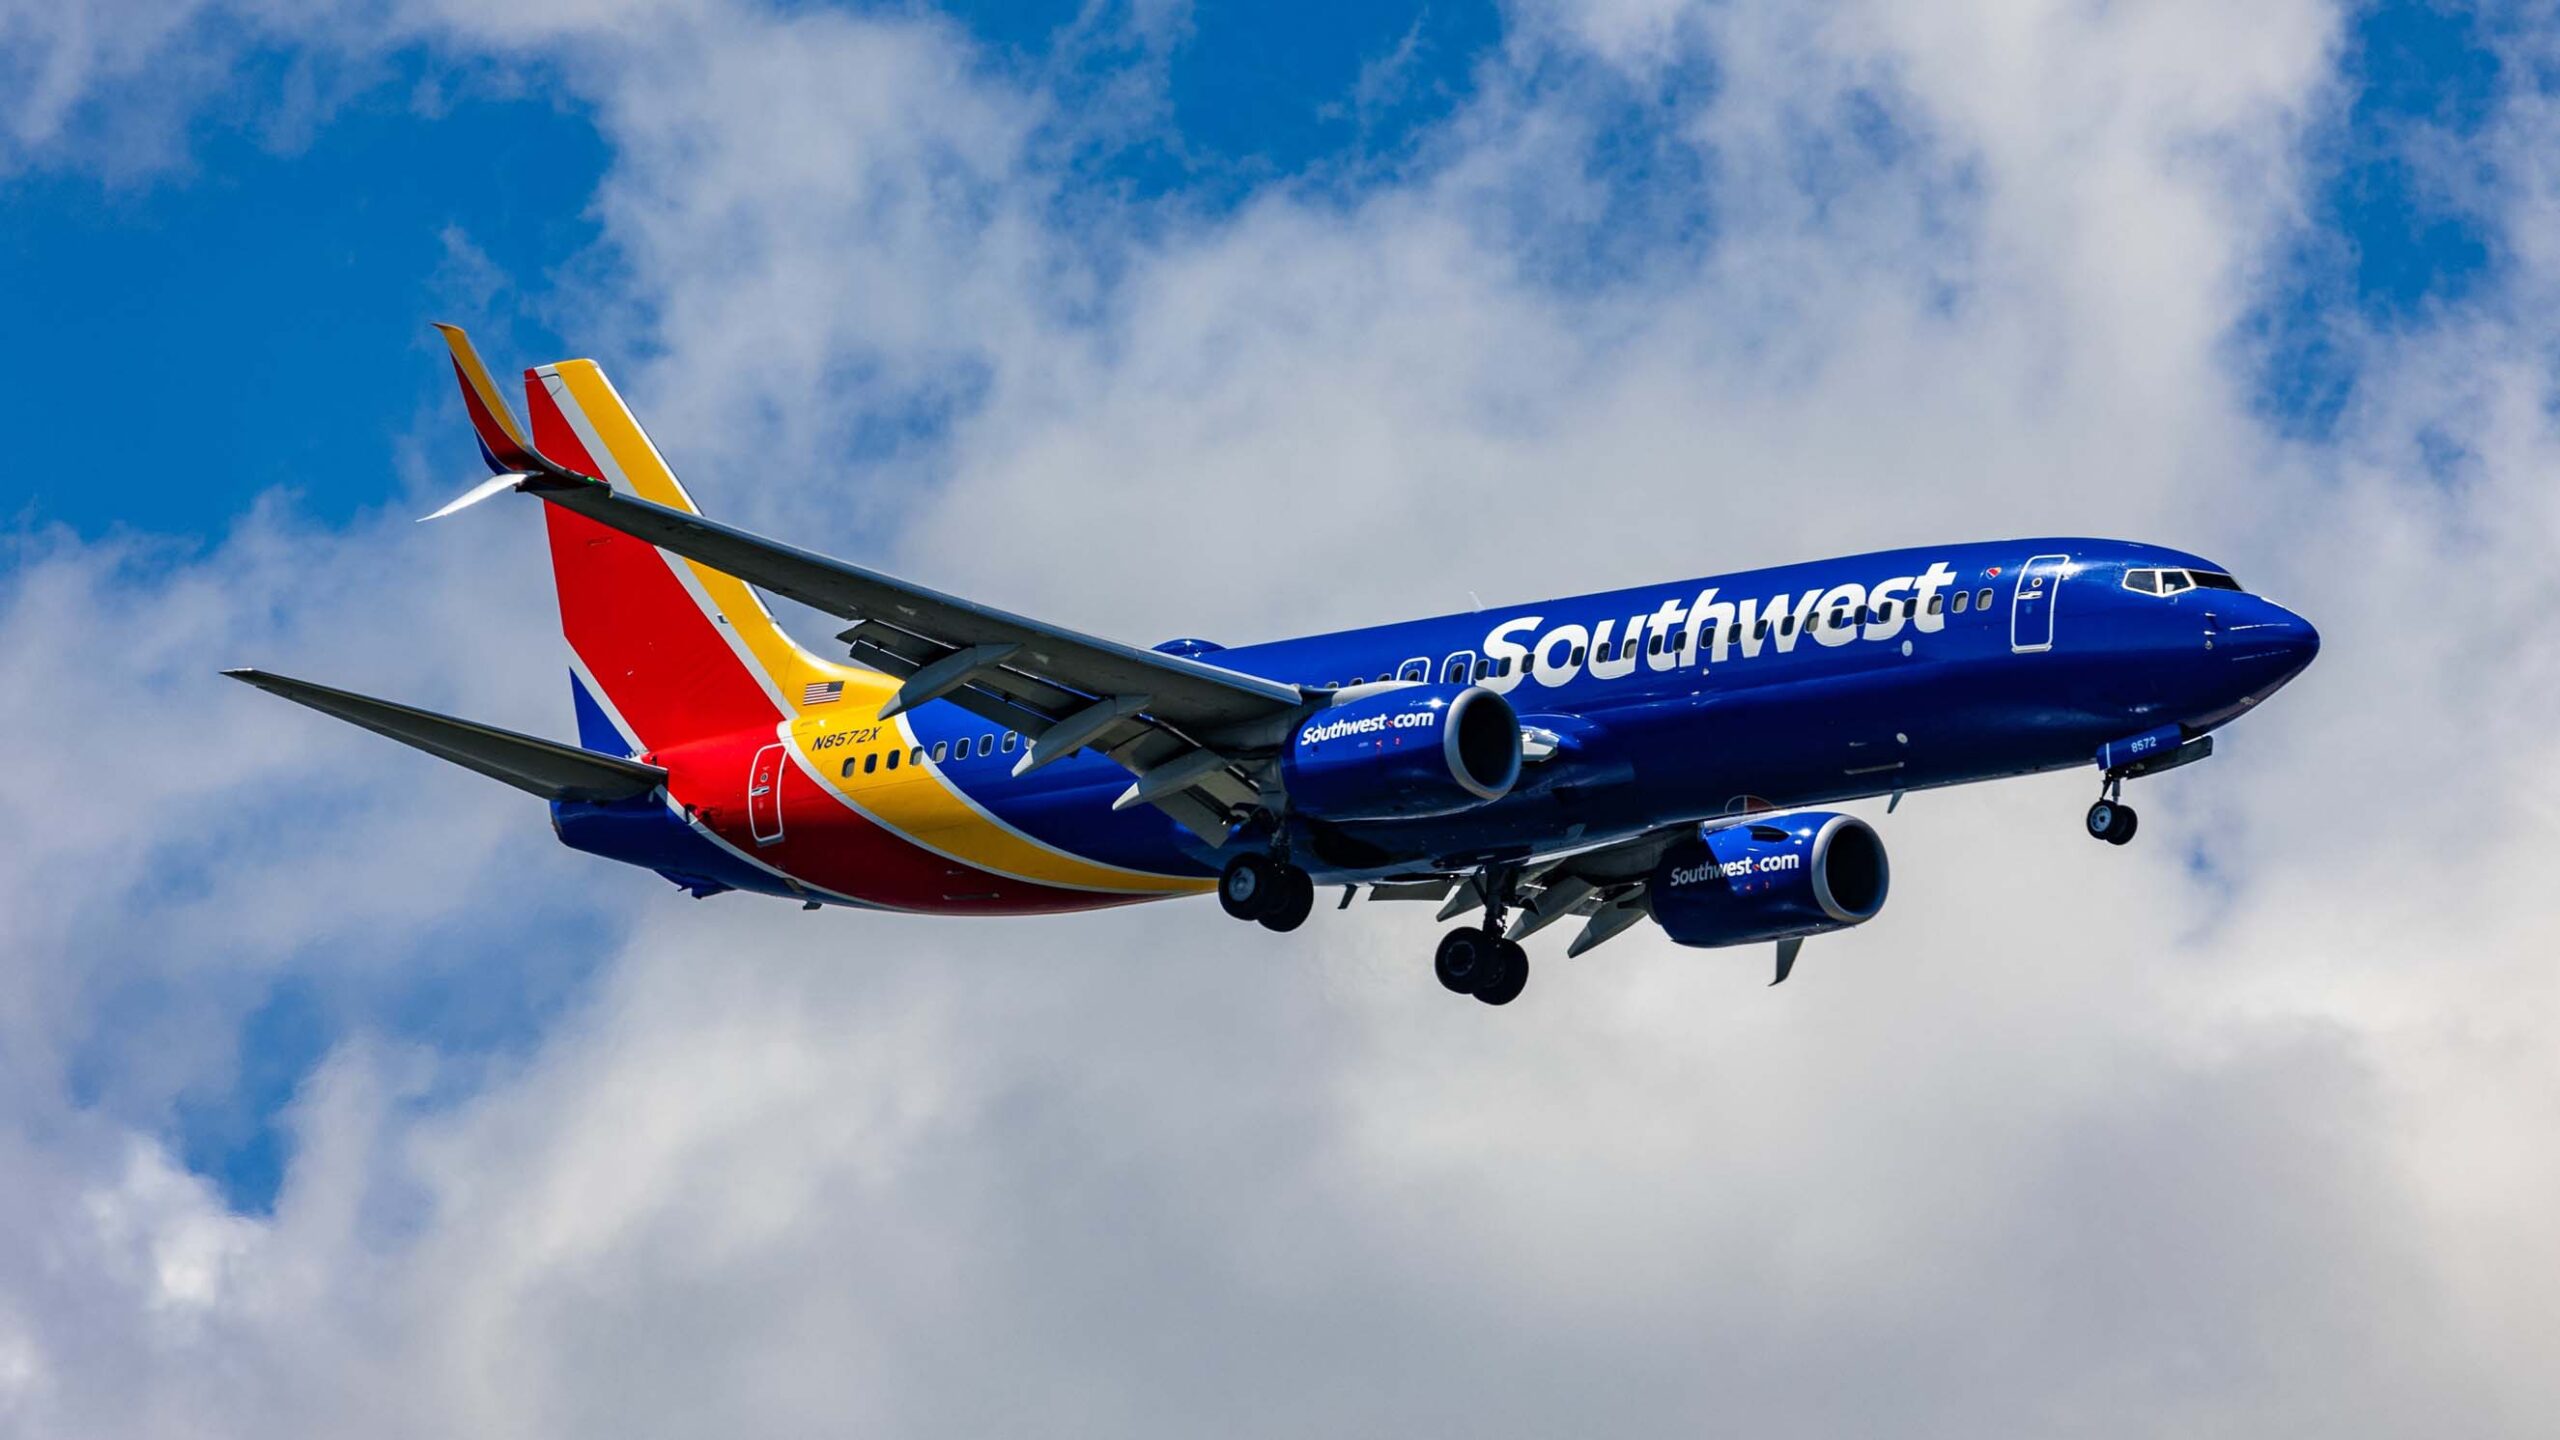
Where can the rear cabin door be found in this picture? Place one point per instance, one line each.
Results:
(2031, 609)
(764, 795)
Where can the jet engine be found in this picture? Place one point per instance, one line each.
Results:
(1404, 754)
(1770, 878)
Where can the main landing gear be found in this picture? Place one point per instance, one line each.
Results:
(1477, 960)
(1274, 893)
(1472, 960)
(2111, 819)
(1483, 964)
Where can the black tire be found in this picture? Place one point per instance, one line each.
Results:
(1466, 954)
(1293, 899)
(1510, 975)
(1248, 886)
(2102, 820)
(2122, 831)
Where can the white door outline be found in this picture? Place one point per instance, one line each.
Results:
(764, 795)
(1464, 661)
(1417, 669)
(2032, 604)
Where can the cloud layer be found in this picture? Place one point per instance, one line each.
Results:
(2241, 1130)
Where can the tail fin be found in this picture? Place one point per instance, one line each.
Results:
(669, 651)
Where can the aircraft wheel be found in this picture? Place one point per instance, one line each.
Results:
(1510, 975)
(2123, 828)
(1466, 956)
(2102, 819)
(2111, 821)
(1248, 886)
(1293, 898)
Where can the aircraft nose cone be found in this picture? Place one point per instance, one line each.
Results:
(2299, 640)
(2274, 643)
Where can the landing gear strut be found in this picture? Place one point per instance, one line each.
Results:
(1270, 891)
(1477, 961)
(2111, 819)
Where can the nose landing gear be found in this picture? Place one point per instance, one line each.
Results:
(2111, 819)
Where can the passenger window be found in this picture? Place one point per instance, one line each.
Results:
(1760, 631)
(1008, 742)
(1982, 598)
(986, 746)
(871, 762)
(893, 758)
(1964, 599)
(849, 763)
(1787, 626)
(1937, 604)
(1577, 656)
(942, 749)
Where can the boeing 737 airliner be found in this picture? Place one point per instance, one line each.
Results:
(1655, 753)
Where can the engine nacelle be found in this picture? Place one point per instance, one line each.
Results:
(1769, 878)
(1404, 754)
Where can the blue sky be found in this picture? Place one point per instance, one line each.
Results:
(272, 296)
(272, 300)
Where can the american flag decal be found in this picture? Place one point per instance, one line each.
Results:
(822, 692)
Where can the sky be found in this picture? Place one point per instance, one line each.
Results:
(336, 1097)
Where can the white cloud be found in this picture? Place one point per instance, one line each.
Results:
(2239, 1130)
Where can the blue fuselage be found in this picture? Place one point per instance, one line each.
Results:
(1798, 685)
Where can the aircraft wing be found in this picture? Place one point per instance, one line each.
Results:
(1193, 735)
(914, 629)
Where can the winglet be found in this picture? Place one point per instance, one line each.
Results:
(503, 442)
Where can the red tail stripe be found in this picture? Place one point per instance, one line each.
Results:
(661, 661)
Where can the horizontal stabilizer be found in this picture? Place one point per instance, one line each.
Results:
(542, 767)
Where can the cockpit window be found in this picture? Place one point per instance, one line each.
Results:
(2171, 582)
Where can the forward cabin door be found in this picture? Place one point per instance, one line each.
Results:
(2031, 608)
(764, 795)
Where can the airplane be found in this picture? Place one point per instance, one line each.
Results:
(1658, 753)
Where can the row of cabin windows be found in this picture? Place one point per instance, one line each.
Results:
(1456, 672)
(943, 751)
